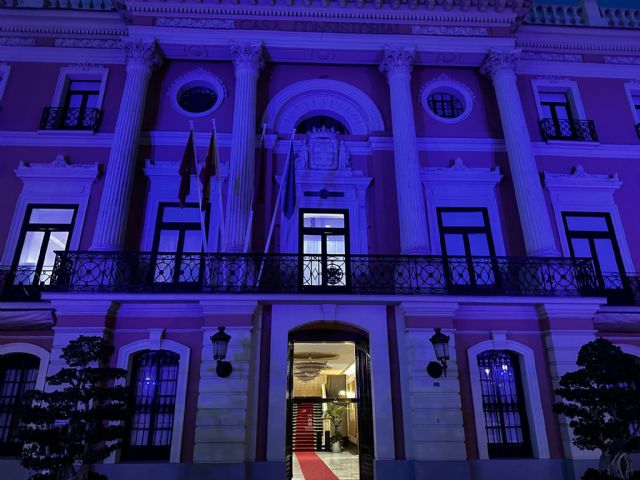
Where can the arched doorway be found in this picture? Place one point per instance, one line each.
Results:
(329, 375)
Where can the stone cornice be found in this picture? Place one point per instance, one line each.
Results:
(61, 22)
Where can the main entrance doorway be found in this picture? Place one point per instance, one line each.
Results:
(329, 413)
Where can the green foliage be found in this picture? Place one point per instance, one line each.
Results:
(602, 401)
(334, 413)
(78, 421)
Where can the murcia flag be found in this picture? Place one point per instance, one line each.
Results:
(187, 167)
(210, 167)
(289, 200)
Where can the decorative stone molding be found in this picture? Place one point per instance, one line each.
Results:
(87, 43)
(462, 186)
(197, 77)
(17, 41)
(580, 191)
(84, 71)
(444, 83)
(622, 60)
(397, 61)
(349, 104)
(550, 56)
(142, 53)
(322, 150)
(42, 182)
(247, 56)
(444, 30)
(195, 23)
(499, 61)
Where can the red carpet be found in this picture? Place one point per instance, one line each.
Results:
(313, 468)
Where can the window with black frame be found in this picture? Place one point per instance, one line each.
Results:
(177, 244)
(81, 103)
(556, 111)
(467, 245)
(324, 243)
(45, 230)
(18, 374)
(154, 383)
(503, 405)
(591, 235)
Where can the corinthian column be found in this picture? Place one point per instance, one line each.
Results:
(414, 239)
(247, 61)
(534, 216)
(111, 224)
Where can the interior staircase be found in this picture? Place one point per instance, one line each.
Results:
(307, 420)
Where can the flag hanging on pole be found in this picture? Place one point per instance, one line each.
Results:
(210, 167)
(289, 200)
(259, 179)
(187, 167)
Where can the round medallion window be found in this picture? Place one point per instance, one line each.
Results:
(197, 99)
(197, 93)
(446, 99)
(445, 105)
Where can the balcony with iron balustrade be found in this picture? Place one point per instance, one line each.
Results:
(59, 118)
(565, 129)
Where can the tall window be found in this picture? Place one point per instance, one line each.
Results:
(465, 235)
(324, 242)
(178, 243)
(154, 382)
(18, 373)
(46, 229)
(82, 98)
(503, 405)
(591, 235)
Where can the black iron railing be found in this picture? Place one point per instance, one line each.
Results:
(356, 274)
(578, 130)
(54, 118)
(23, 283)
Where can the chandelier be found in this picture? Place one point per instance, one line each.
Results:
(307, 370)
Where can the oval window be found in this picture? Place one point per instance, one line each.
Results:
(197, 99)
(445, 105)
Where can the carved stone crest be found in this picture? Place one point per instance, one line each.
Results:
(322, 150)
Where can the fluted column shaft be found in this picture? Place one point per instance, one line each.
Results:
(111, 224)
(534, 215)
(247, 60)
(414, 237)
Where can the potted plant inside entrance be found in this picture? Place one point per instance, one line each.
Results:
(334, 413)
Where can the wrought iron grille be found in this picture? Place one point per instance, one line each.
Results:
(293, 273)
(18, 373)
(502, 402)
(153, 386)
(564, 129)
(23, 283)
(54, 118)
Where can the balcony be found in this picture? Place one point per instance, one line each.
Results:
(54, 118)
(23, 283)
(291, 273)
(576, 130)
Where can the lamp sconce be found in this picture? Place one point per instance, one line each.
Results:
(220, 341)
(440, 343)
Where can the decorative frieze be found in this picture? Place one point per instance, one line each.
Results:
(195, 23)
(453, 31)
(550, 56)
(622, 60)
(87, 43)
(17, 41)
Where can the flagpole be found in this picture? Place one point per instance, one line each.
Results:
(221, 224)
(203, 228)
(247, 237)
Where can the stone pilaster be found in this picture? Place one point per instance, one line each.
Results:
(247, 61)
(414, 238)
(111, 224)
(534, 215)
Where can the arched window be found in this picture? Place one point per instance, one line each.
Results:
(503, 405)
(319, 121)
(18, 374)
(154, 381)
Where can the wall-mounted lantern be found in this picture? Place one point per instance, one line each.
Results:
(220, 341)
(440, 343)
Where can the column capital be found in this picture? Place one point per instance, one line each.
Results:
(397, 61)
(142, 54)
(500, 61)
(247, 56)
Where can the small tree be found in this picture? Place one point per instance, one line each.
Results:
(602, 401)
(79, 422)
(334, 413)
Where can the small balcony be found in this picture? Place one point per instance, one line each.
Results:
(23, 284)
(58, 118)
(339, 274)
(574, 130)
